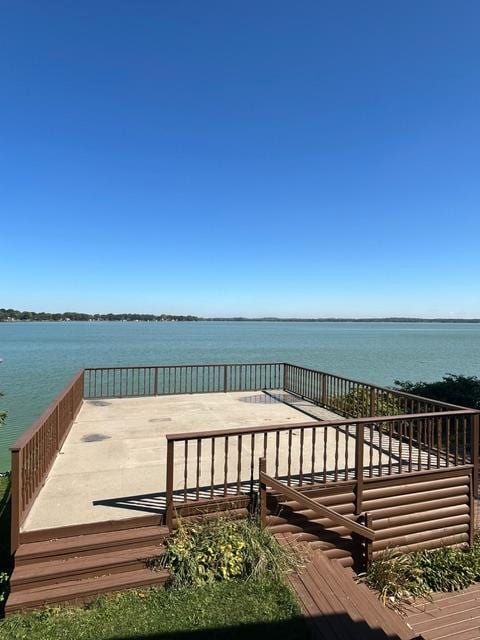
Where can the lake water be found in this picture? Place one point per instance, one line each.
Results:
(40, 358)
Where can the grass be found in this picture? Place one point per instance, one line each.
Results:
(223, 610)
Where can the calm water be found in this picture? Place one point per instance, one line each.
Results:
(39, 358)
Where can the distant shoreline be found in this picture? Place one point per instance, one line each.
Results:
(12, 316)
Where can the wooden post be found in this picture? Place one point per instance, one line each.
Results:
(16, 484)
(262, 466)
(472, 505)
(475, 452)
(155, 386)
(169, 484)
(57, 425)
(368, 543)
(225, 379)
(373, 404)
(359, 446)
(323, 395)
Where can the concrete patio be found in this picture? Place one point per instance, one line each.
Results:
(116, 448)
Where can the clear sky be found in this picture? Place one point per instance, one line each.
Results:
(258, 157)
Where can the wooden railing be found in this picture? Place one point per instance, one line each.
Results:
(359, 529)
(355, 399)
(120, 382)
(220, 464)
(35, 450)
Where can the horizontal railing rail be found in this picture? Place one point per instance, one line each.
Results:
(34, 452)
(153, 380)
(317, 507)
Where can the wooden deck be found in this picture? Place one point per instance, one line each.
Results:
(452, 616)
(121, 453)
(338, 608)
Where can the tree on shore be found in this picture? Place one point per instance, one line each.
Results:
(455, 389)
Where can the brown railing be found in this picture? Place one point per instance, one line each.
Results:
(355, 399)
(120, 382)
(222, 463)
(35, 450)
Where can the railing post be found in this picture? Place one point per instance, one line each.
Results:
(262, 466)
(169, 484)
(57, 423)
(472, 508)
(155, 390)
(373, 404)
(475, 452)
(323, 393)
(225, 379)
(359, 446)
(16, 507)
(285, 376)
(368, 543)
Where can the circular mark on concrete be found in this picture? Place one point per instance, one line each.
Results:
(95, 437)
(160, 420)
(100, 403)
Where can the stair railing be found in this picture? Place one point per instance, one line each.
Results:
(361, 532)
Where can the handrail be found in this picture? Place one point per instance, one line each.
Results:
(166, 366)
(337, 518)
(27, 435)
(189, 435)
(405, 394)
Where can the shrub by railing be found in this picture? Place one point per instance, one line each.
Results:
(355, 399)
(34, 452)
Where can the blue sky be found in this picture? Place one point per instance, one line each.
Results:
(255, 158)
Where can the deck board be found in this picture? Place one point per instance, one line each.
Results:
(448, 616)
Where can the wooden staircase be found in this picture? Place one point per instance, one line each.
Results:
(337, 607)
(79, 567)
(305, 525)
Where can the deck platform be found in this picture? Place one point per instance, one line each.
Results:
(112, 464)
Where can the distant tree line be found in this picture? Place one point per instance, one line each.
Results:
(12, 315)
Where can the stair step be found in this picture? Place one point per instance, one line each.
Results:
(88, 544)
(82, 590)
(86, 566)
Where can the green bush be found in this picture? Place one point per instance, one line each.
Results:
(223, 549)
(399, 578)
(447, 569)
(358, 403)
(396, 578)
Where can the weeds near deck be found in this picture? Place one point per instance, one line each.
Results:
(222, 549)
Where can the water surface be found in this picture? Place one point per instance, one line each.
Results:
(40, 357)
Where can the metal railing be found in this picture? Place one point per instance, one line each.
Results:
(384, 431)
(34, 452)
(356, 399)
(121, 382)
(222, 463)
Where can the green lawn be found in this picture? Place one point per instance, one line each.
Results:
(224, 610)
